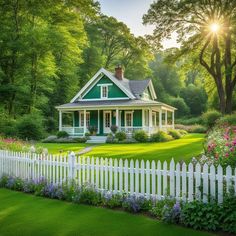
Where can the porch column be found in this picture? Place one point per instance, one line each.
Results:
(173, 119)
(60, 120)
(160, 119)
(84, 122)
(143, 119)
(150, 121)
(98, 121)
(166, 116)
(117, 117)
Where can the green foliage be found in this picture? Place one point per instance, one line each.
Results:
(199, 215)
(93, 129)
(210, 117)
(140, 136)
(62, 134)
(114, 129)
(30, 127)
(227, 119)
(189, 121)
(175, 133)
(192, 128)
(120, 136)
(161, 136)
(179, 103)
(195, 98)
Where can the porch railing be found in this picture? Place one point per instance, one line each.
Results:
(73, 130)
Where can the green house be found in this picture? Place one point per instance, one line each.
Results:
(110, 99)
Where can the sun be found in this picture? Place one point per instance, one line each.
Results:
(214, 27)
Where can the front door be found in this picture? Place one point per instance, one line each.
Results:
(106, 122)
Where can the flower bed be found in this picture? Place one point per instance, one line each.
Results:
(16, 145)
(195, 214)
(220, 146)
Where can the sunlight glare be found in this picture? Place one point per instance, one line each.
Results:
(214, 27)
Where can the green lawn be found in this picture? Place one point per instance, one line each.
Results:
(56, 148)
(182, 149)
(22, 214)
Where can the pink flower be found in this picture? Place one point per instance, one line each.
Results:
(227, 144)
(226, 154)
(226, 136)
(231, 149)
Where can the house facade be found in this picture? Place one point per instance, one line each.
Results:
(110, 99)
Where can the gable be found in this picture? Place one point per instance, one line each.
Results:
(113, 90)
(147, 94)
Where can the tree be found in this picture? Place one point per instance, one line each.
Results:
(205, 26)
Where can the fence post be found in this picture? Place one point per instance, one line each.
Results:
(71, 163)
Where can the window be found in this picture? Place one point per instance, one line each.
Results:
(104, 91)
(154, 119)
(82, 119)
(128, 119)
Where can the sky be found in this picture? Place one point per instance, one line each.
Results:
(131, 12)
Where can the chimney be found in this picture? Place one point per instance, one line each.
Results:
(119, 72)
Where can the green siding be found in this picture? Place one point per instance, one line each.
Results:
(137, 118)
(113, 90)
(76, 118)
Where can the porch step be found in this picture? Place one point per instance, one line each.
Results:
(97, 139)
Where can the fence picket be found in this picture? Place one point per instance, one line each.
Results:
(147, 178)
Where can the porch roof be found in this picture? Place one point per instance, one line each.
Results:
(113, 103)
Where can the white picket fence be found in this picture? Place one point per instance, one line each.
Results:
(150, 179)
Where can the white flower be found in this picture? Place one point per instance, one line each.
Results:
(32, 149)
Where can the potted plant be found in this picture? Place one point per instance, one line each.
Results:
(114, 129)
(93, 129)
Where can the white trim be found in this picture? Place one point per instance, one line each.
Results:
(152, 90)
(112, 78)
(101, 92)
(104, 112)
(100, 99)
(80, 119)
(104, 85)
(129, 112)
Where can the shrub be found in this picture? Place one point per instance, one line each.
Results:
(189, 121)
(210, 117)
(120, 136)
(175, 133)
(161, 136)
(112, 200)
(199, 215)
(30, 127)
(182, 131)
(135, 204)
(182, 107)
(140, 136)
(114, 129)
(62, 134)
(227, 119)
(191, 128)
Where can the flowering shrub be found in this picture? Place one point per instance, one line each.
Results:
(221, 145)
(195, 214)
(16, 145)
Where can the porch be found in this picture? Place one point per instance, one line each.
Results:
(128, 120)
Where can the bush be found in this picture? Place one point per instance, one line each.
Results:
(30, 127)
(210, 117)
(189, 121)
(175, 133)
(114, 129)
(202, 216)
(62, 134)
(227, 119)
(120, 136)
(161, 136)
(191, 128)
(140, 136)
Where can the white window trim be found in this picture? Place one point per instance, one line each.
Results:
(129, 112)
(101, 90)
(80, 118)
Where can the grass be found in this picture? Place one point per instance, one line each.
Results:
(185, 148)
(181, 149)
(22, 214)
(56, 148)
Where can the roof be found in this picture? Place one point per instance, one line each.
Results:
(132, 88)
(113, 103)
(136, 87)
